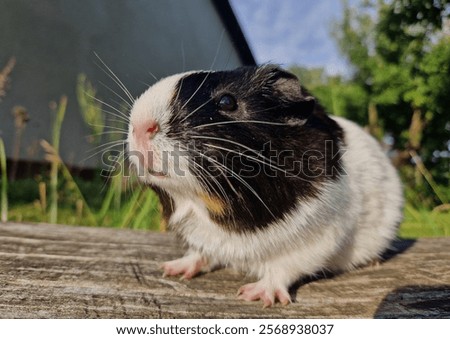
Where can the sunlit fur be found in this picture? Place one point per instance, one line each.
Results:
(350, 222)
(153, 104)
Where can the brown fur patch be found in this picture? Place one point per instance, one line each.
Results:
(213, 204)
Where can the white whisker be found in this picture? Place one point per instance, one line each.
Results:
(153, 76)
(120, 124)
(117, 94)
(239, 178)
(209, 158)
(117, 113)
(241, 121)
(110, 106)
(119, 117)
(207, 185)
(119, 129)
(109, 132)
(226, 140)
(183, 57)
(196, 110)
(116, 79)
(264, 161)
(218, 49)
(178, 94)
(109, 145)
(102, 150)
(195, 92)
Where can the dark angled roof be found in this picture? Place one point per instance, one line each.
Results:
(231, 24)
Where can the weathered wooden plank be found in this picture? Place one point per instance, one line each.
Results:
(49, 271)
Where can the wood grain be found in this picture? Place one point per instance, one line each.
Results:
(53, 271)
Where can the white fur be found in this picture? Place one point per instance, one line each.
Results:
(351, 223)
(153, 104)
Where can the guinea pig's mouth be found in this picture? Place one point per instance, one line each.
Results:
(156, 173)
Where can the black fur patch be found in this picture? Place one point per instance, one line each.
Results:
(166, 202)
(274, 149)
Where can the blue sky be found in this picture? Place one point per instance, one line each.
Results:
(290, 32)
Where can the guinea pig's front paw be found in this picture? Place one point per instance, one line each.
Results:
(265, 292)
(189, 266)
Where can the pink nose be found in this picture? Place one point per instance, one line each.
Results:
(146, 130)
(152, 129)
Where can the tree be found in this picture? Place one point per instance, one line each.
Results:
(338, 96)
(401, 61)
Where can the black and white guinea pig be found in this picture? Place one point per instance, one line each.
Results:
(253, 175)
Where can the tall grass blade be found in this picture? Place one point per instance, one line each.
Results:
(4, 189)
(428, 176)
(54, 158)
(91, 109)
(56, 134)
(148, 216)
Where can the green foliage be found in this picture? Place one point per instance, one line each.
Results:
(337, 96)
(436, 85)
(424, 223)
(23, 191)
(310, 77)
(401, 61)
(399, 86)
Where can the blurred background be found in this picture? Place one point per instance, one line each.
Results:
(68, 68)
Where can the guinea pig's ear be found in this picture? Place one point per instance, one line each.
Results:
(285, 84)
(305, 107)
(299, 103)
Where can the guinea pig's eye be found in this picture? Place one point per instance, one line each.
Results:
(227, 103)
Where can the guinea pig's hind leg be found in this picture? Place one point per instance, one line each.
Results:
(265, 291)
(277, 275)
(188, 266)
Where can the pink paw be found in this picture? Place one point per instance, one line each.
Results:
(268, 295)
(189, 266)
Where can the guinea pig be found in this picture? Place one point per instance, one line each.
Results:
(252, 174)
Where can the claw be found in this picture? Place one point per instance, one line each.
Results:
(187, 266)
(261, 291)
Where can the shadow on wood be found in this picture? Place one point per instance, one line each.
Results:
(416, 302)
(397, 247)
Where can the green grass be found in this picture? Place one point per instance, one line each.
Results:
(138, 208)
(424, 223)
(69, 215)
